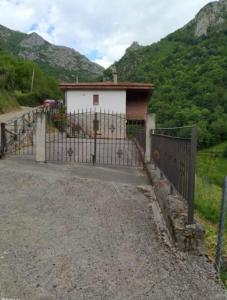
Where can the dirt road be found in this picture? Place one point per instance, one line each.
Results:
(73, 232)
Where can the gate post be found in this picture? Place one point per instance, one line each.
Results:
(3, 140)
(40, 140)
(150, 125)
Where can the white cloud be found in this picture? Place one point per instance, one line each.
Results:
(106, 27)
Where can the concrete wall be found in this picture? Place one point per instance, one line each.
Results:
(40, 138)
(108, 100)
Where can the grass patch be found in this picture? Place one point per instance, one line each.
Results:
(211, 230)
(224, 278)
(7, 102)
(211, 170)
(212, 164)
(210, 235)
(208, 199)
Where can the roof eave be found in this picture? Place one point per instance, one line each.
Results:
(142, 87)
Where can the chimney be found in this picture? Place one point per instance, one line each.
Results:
(115, 77)
(114, 72)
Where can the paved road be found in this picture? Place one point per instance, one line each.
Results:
(14, 114)
(73, 232)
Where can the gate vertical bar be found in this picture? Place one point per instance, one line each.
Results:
(99, 143)
(191, 179)
(95, 137)
(78, 139)
(116, 140)
(84, 137)
(3, 140)
(82, 144)
(104, 132)
(108, 134)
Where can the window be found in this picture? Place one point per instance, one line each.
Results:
(95, 99)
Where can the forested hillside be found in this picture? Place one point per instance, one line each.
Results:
(15, 83)
(189, 69)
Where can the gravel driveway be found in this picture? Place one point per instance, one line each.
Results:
(69, 232)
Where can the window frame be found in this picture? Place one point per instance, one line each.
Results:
(95, 100)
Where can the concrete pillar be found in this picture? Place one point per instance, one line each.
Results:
(150, 125)
(40, 140)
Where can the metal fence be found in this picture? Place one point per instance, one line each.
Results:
(174, 152)
(17, 135)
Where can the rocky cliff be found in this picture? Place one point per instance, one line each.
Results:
(210, 16)
(62, 62)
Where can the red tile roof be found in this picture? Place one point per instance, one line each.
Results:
(107, 86)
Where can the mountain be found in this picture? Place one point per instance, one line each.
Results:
(212, 16)
(62, 62)
(189, 69)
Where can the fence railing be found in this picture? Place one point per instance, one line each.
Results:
(174, 152)
(17, 134)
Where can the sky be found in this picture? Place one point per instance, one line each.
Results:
(99, 29)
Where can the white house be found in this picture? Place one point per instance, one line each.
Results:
(129, 99)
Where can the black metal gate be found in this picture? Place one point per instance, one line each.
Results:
(94, 137)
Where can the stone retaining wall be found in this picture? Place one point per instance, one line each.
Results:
(186, 237)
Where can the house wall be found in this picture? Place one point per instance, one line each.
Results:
(108, 100)
(137, 105)
(109, 125)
